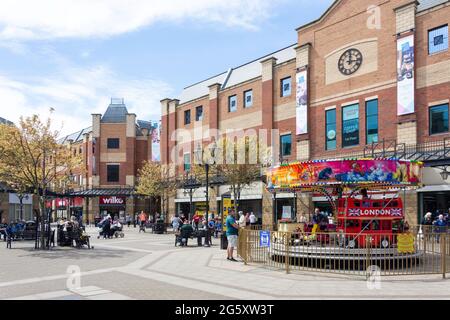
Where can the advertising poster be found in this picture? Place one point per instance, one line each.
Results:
(346, 171)
(405, 75)
(302, 102)
(350, 126)
(227, 207)
(156, 141)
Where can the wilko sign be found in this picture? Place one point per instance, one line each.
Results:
(112, 201)
(390, 212)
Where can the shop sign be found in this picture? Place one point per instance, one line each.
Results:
(61, 203)
(112, 201)
(264, 239)
(14, 199)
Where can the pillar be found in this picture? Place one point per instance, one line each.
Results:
(268, 66)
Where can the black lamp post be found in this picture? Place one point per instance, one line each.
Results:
(210, 161)
(189, 187)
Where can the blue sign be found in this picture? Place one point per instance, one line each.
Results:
(264, 239)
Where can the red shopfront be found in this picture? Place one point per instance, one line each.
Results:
(113, 205)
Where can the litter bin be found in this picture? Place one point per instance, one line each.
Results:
(223, 241)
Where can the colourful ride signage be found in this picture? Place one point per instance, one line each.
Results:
(346, 172)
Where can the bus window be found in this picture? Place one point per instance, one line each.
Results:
(357, 204)
(376, 204)
(375, 225)
(366, 225)
(352, 223)
(386, 225)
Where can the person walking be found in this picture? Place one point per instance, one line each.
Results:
(232, 235)
(176, 221)
(142, 220)
(128, 220)
(242, 220)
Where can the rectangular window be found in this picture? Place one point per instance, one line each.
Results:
(113, 172)
(232, 104)
(439, 119)
(248, 99)
(372, 121)
(113, 143)
(350, 126)
(286, 87)
(187, 162)
(438, 40)
(199, 113)
(187, 117)
(330, 116)
(286, 145)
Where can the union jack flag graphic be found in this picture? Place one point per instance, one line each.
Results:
(396, 212)
(354, 212)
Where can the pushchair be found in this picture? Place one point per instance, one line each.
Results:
(81, 238)
(117, 231)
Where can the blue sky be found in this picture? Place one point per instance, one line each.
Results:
(74, 56)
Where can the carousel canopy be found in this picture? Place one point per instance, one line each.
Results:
(375, 173)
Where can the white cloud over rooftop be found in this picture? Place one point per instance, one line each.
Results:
(49, 19)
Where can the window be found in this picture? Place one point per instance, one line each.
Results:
(113, 172)
(113, 143)
(187, 117)
(330, 116)
(187, 162)
(248, 99)
(350, 126)
(199, 113)
(232, 104)
(372, 121)
(438, 39)
(286, 145)
(286, 87)
(439, 119)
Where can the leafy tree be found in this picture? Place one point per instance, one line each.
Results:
(158, 181)
(32, 159)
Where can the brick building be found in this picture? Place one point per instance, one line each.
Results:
(376, 80)
(113, 149)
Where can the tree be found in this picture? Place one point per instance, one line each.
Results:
(32, 159)
(239, 162)
(156, 180)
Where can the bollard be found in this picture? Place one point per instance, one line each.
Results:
(444, 255)
(287, 239)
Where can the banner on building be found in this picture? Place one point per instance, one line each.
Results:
(302, 102)
(156, 141)
(337, 172)
(405, 75)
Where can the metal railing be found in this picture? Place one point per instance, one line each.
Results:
(391, 254)
(426, 151)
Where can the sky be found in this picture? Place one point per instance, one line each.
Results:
(75, 55)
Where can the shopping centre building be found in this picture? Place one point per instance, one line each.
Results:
(113, 149)
(369, 78)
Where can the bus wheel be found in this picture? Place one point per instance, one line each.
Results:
(351, 244)
(385, 243)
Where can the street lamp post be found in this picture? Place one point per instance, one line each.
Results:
(199, 157)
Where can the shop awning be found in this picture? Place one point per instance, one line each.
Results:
(103, 192)
(435, 188)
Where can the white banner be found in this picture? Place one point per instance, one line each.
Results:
(405, 75)
(302, 102)
(14, 199)
(156, 141)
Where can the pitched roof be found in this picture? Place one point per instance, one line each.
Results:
(4, 121)
(116, 113)
(235, 76)
(427, 4)
(75, 137)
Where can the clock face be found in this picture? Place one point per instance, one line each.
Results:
(350, 61)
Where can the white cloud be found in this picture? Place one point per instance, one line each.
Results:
(47, 19)
(77, 93)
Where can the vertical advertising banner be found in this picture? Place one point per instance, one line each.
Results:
(405, 75)
(156, 141)
(302, 102)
